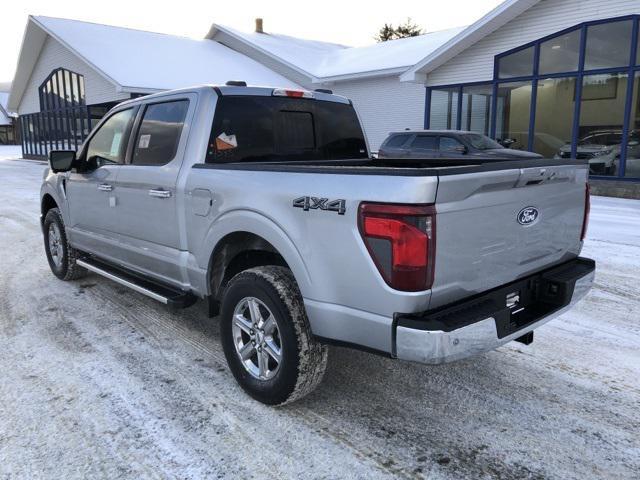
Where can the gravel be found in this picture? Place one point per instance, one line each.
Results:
(101, 382)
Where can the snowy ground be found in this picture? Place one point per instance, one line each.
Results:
(100, 382)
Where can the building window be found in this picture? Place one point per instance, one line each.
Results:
(517, 64)
(476, 108)
(554, 116)
(62, 89)
(560, 54)
(608, 45)
(444, 109)
(513, 109)
(632, 167)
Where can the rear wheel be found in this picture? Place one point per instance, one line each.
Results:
(266, 336)
(61, 256)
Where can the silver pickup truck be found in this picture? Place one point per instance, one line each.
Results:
(266, 203)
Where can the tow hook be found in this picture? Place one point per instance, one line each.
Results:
(526, 339)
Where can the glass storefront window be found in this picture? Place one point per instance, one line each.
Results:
(560, 54)
(601, 122)
(517, 64)
(632, 169)
(512, 114)
(554, 117)
(444, 109)
(608, 45)
(476, 108)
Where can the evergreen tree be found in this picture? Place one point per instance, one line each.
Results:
(403, 30)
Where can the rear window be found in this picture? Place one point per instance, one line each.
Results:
(263, 129)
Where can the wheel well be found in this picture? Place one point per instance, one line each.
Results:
(47, 204)
(236, 252)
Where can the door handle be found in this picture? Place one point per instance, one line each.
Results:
(105, 187)
(160, 193)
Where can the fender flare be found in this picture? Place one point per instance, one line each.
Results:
(256, 223)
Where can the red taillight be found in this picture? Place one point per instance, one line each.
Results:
(283, 92)
(401, 242)
(587, 209)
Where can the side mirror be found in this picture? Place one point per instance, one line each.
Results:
(61, 160)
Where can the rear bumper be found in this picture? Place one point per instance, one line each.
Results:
(485, 322)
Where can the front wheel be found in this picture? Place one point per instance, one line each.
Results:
(266, 336)
(61, 256)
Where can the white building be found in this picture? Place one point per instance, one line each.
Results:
(560, 77)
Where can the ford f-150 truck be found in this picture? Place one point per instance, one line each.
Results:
(266, 203)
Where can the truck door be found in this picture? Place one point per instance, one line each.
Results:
(91, 190)
(148, 210)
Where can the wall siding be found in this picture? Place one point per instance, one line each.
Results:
(384, 105)
(55, 55)
(547, 17)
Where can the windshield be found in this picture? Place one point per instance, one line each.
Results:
(482, 142)
(263, 129)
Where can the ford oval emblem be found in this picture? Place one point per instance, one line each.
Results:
(528, 215)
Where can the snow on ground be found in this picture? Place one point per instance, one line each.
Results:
(98, 381)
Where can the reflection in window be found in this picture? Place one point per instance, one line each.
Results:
(554, 116)
(608, 45)
(159, 133)
(517, 64)
(476, 108)
(601, 122)
(512, 114)
(109, 143)
(444, 109)
(632, 168)
(560, 54)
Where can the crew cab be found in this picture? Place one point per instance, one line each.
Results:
(265, 203)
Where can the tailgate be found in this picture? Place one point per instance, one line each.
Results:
(494, 227)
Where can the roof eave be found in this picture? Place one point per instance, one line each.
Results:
(488, 24)
(360, 75)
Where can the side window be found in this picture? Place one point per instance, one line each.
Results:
(449, 144)
(109, 143)
(424, 142)
(159, 133)
(397, 141)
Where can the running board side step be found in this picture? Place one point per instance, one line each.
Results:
(164, 294)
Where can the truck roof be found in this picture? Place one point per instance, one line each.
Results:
(249, 90)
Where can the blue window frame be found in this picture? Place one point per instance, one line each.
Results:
(555, 48)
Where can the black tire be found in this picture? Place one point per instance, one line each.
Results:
(66, 268)
(303, 359)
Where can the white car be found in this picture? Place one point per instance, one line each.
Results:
(602, 149)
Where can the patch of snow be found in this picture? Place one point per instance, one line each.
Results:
(322, 59)
(140, 59)
(101, 382)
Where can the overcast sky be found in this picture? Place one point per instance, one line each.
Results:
(340, 21)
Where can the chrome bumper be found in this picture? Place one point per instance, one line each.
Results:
(437, 346)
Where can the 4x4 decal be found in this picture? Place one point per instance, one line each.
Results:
(316, 203)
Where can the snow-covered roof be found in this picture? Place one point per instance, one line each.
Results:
(493, 20)
(322, 61)
(140, 61)
(4, 114)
